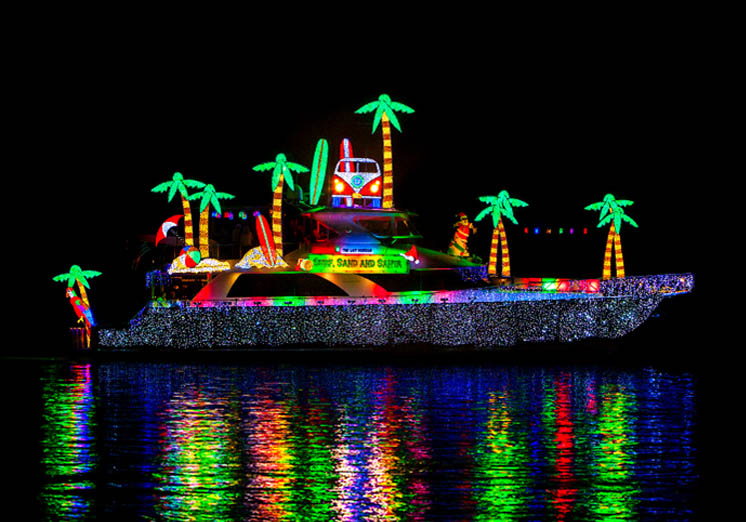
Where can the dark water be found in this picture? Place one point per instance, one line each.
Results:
(147, 441)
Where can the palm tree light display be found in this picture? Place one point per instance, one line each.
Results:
(499, 206)
(79, 276)
(385, 112)
(612, 212)
(282, 170)
(208, 196)
(180, 185)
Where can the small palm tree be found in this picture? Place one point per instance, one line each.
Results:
(180, 185)
(79, 276)
(282, 170)
(499, 206)
(612, 212)
(208, 196)
(386, 112)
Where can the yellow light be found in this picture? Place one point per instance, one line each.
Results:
(338, 186)
(375, 188)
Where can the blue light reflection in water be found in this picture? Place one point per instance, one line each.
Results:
(221, 442)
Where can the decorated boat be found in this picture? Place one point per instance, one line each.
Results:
(358, 275)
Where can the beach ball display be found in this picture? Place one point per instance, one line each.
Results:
(190, 256)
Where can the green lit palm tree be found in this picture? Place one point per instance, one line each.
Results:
(180, 185)
(611, 211)
(499, 206)
(79, 276)
(208, 196)
(282, 171)
(385, 111)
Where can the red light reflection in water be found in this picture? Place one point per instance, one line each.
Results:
(564, 495)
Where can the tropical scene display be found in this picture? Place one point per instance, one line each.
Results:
(612, 214)
(194, 254)
(499, 206)
(385, 115)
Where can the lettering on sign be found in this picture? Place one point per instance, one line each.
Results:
(359, 264)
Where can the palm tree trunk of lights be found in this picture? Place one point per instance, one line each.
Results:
(277, 216)
(492, 269)
(388, 170)
(204, 223)
(505, 254)
(188, 227)
(613, 240)
(618, 255)
(83, 294)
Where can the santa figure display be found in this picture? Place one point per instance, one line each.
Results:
(458, 246)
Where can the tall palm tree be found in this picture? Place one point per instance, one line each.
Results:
(79, 276)
(208, 196)
(612, 212)
(282, 170)
(180, 185)
(499, 206)
(386, 112)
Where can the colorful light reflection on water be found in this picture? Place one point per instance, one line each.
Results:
(174, 442)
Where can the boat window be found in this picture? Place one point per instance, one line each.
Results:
(275, 285)
(379, 226)
(403, 228)
(324, 233)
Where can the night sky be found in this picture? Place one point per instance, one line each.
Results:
(104, 120)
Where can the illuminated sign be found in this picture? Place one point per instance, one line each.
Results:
(358, 264)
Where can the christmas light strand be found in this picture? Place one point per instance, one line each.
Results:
(486, 324)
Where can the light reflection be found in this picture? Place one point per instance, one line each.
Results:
(614, 488)
(268, 437)
(501, 467)
(69, 453)
(382, 444)
(198, 461)
(565, 492)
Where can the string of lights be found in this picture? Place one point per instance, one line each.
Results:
(512, 319)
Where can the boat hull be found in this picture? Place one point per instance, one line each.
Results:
(481, 324)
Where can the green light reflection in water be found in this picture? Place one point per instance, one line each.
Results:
(69, 453)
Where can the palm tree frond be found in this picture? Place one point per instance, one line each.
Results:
(368, 107)
(604, 221)
(483, 214)
(289, 179)
(162, 187)
(397, 106)
(629, 220)
(296, 167)
(394, 120)
(264, 166)
(193, 183)
(518, 203)
(377, 117)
